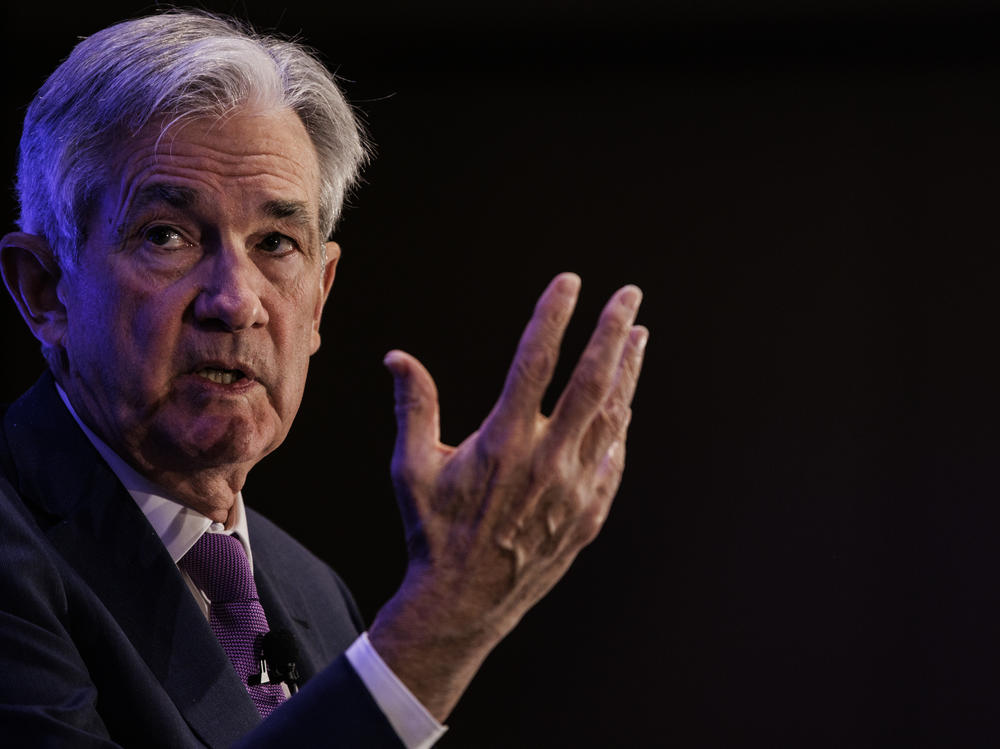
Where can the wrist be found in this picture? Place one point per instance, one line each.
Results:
(430, 649)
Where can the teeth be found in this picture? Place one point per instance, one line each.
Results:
(221, 376)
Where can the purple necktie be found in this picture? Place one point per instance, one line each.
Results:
(218, 565)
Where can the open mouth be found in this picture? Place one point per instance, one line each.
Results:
(221, 376)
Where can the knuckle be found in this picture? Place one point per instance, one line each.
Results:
(534, 364)
(630, 366)
(592, 383)
(615, 462)
(408, 409)
(555, 517)
(615, 323)
(613, 415)
(553, 466)
(590, 527)
(576, 503)
(618, 458)
(626, 420)
(407, 402)
(588, 523)
(619, 415)
(547, 469)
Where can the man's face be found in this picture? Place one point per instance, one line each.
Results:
(196, 302)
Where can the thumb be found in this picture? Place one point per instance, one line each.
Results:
(417, 417)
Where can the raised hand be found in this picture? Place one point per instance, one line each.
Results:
(492, 524)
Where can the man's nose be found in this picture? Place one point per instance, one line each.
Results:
(230, 296)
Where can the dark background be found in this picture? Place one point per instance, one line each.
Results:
(803, 550)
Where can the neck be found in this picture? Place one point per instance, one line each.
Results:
(210, 492)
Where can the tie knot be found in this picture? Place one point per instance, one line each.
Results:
(218, 565)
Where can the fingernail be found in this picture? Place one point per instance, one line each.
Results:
(639, 337)
(391, 362)
(631, 297)
(568, 284)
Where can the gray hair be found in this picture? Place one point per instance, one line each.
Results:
(172, 66)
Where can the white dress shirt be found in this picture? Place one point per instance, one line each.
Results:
(179, 527)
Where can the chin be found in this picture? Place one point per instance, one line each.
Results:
(211, 441)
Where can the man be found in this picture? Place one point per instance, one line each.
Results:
(178, 178)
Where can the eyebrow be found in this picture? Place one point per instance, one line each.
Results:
(173, 195)
(186, 197)
(182, 198)
(156, 193)
(293, 209)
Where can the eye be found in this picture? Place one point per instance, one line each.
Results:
(278, 244)
(166, 237)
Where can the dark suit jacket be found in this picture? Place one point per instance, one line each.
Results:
(101, 642)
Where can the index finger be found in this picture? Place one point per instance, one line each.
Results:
(537, 352)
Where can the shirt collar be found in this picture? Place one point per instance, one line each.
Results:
(177, 525)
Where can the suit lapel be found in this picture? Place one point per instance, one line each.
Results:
(280, 615)
(97, 527)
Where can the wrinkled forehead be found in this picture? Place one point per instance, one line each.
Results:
(251, 154)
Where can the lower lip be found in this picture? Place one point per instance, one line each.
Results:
(238, 387)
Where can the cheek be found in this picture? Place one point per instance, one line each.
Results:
(295, 341)
(124, 331)
(299, 312)
(92, 331)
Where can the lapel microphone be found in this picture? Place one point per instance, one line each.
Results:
(278, 655)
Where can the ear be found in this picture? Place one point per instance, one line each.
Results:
(31, 274)
(326, 283)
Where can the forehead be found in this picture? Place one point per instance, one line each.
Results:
(251, 158)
